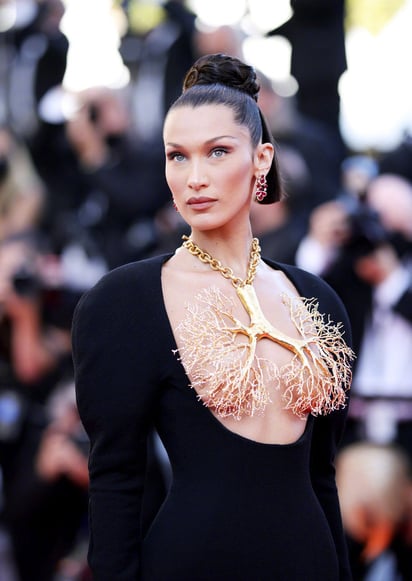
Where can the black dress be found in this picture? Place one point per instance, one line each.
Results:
(237, 509)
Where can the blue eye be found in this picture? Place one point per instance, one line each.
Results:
(175, 155)
(219, 152)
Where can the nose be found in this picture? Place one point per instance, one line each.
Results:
(197, 176)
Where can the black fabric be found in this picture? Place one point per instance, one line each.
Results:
(237, 509)
(404, 305)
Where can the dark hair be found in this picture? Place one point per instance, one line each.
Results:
(220, 79)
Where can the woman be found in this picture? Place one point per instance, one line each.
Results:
(215, 348)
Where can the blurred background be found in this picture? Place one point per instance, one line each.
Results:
(84, 88)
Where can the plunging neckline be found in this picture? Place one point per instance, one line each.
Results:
(210, 415)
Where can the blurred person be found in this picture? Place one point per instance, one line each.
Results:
(217, 349)
(375, 492)
(38, 58)
(360, 247)
(316, 33)
(278, 233)
(281, 227)
(21, 191)
(381, 408)
(47, 499)
(24, 210)
(124, 182)
(64, 445)
(33, 345)
(157, 58)
(390, 195)
(307, 139)
(35, 355)
(37, 64)
(331, 226)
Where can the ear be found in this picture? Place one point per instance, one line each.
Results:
(263, 158)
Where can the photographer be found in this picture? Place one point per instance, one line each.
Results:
(42, 509)
(366, 263)
(125, 188)
(48, 504)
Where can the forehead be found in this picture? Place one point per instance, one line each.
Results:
(203, 122)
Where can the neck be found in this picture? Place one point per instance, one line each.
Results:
(232, 252)
(226, 271)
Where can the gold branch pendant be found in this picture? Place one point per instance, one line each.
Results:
(232, 380)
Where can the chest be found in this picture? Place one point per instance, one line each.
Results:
(260, 358)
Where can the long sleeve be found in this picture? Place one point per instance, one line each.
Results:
(116, 384)
(327, 434)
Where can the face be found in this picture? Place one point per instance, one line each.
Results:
(391, 197)
(211, 165)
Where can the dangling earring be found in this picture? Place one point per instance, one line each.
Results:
(174, 206)
(261, 188)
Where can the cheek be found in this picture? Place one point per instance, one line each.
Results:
(173, 180)
(241, 174)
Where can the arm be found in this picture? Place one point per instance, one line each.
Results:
(33, 356)
(115, 388)
(328, 230)
(391, 281)
(35, 348)
(327, 433)
(128, 172)
(326, 436)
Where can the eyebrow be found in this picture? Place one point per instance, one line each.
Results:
(208, 142)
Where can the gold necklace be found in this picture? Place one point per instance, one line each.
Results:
(226, 271)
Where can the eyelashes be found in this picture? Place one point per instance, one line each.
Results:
(174, 155)
(219, 150)
(216, 153)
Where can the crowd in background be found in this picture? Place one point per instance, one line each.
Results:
(87, 193)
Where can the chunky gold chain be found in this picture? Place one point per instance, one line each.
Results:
(225, 271)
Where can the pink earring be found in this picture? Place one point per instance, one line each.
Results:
(261, 188)
(174, 206)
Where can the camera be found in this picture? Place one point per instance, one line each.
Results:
(26, 283)
(366, 230)
(57, 302)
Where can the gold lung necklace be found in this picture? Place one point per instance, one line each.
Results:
(227, 374)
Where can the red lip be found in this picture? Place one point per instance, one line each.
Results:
(200, 203)
(199, 200)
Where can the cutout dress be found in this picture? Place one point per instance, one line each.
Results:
(237, 509)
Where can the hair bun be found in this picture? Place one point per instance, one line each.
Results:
(225, 70)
